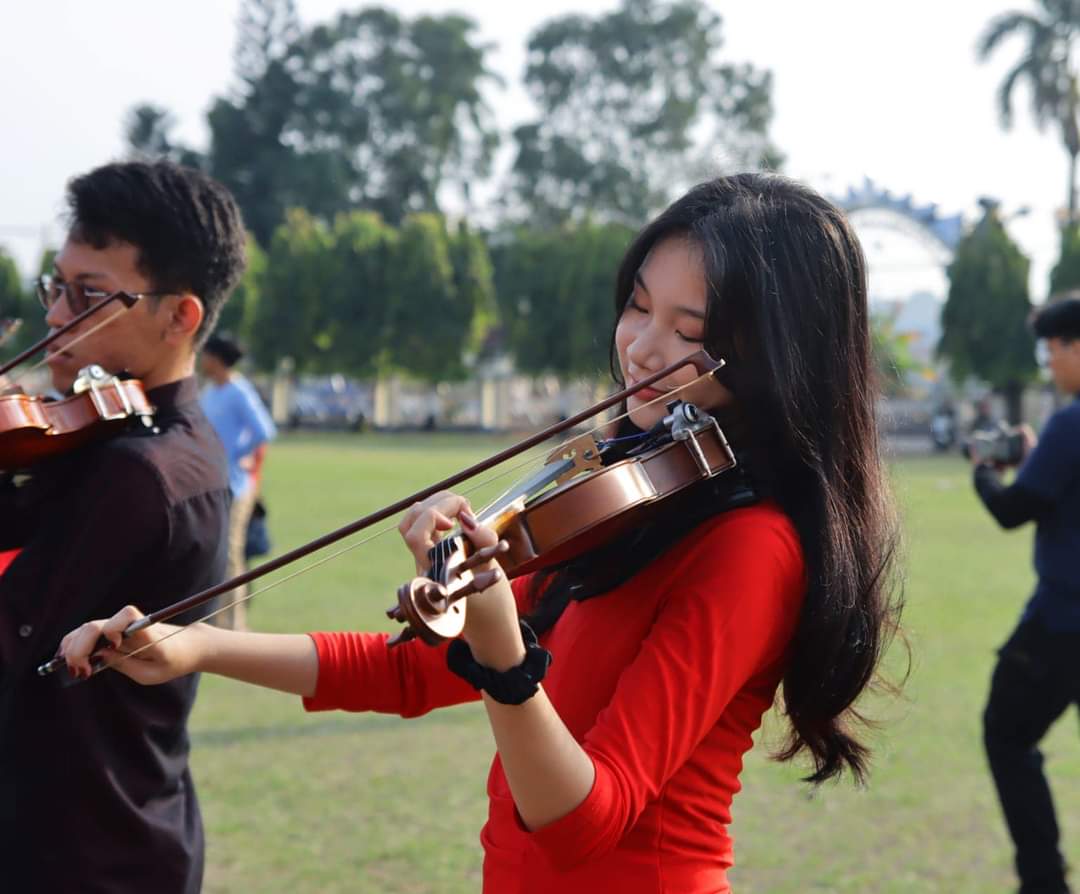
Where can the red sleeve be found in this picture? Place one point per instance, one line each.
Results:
(358, 672)
(728, 614)
(6, 558)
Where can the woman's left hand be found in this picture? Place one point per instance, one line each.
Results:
(491, 621)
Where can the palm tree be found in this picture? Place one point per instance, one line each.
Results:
(1048, 69)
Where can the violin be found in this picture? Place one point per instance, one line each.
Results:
(591, 504)
(33, 428)
(571, 505)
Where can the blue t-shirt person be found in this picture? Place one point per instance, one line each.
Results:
(240, 419)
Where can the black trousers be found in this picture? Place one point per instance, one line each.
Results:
(1036, 678)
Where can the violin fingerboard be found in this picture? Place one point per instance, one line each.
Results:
(440, 555)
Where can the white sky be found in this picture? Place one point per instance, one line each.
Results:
(862, 89)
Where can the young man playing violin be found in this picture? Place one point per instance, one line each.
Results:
(141, 516)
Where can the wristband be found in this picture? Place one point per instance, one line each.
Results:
(509, 687)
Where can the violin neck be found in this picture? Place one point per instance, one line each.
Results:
(528, 487)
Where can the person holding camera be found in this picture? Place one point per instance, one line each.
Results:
(1037, 675)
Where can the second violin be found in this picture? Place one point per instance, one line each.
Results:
(33, 428)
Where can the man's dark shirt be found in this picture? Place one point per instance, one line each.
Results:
(95, 792)
(1047, 490)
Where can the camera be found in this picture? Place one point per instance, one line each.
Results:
(1003, 446)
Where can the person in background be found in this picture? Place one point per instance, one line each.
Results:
(243, 424)
(142, 516)
(1037, 675)
(985, 422)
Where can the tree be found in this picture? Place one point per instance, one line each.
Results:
(1048, 69)
(430, 319)
(358, 333)
(892, 356)
(1066, 273)
(625, 99)
(474, 281)
(555, 296)
(370, 110)
(984, 320)
(266, 29)
(363, 298)
(249, 148)
(148, 135)
(240, 311)
(394, 107)
(12, 293)
(292, 314)
(17, 302)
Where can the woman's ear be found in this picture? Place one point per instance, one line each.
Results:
(185, 315)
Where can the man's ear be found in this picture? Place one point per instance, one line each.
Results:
(185, 315)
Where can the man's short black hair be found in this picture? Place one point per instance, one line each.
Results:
(224, 348)
(1060, 319)
(186, 226)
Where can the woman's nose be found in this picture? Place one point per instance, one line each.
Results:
(643, 351)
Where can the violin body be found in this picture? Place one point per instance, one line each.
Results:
(33, 428)
(598, 507)
(580, 514)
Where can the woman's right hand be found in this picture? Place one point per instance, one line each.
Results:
(160, 655)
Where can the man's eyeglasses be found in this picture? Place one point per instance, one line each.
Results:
(81, 298)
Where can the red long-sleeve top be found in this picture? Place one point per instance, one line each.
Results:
(662, 681)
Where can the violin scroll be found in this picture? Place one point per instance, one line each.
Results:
(435, 610)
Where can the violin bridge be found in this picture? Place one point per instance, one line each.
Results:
(583, 452)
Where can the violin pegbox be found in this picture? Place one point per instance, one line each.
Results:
(434, 610)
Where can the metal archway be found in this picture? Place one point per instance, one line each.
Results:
(878, 207)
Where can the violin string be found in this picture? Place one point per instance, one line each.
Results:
(534, 454)
(16, 379)
(274, 584)
(383, 531)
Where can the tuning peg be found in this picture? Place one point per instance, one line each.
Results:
(478, 583)
(483, 555)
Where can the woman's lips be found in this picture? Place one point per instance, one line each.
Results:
(647, 394)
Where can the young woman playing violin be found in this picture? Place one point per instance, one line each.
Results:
(660, 652)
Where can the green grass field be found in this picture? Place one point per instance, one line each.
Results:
(356, 803)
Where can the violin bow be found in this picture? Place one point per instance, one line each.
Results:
(702, 362)
(56, 333)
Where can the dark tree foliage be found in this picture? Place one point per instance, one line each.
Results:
(555, 297)
(984, 320)
(148, 133)
(1065, 276)
(1047, 68)
(371, 111)
(634, 106)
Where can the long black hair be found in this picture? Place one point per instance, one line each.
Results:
(787, 308)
